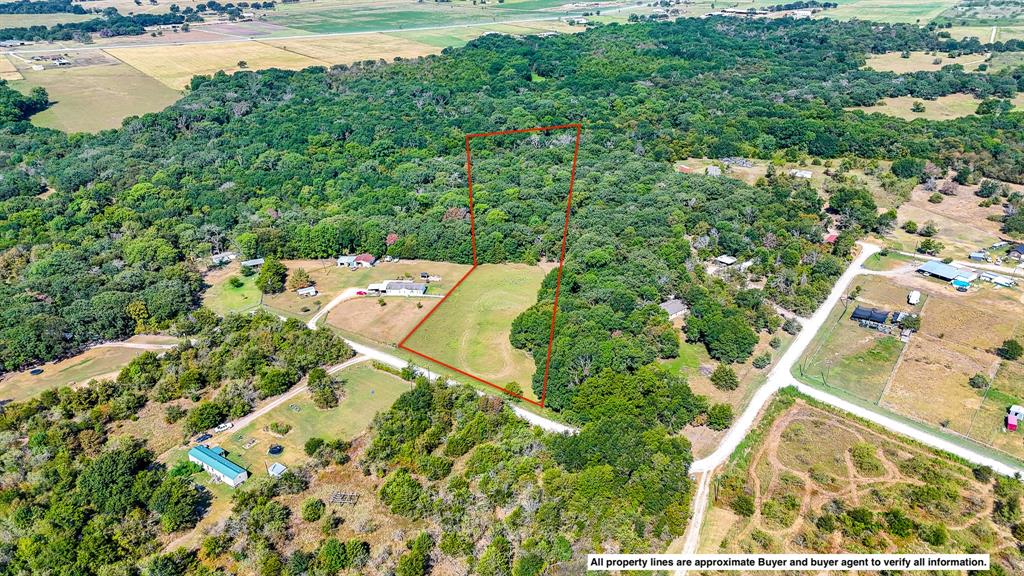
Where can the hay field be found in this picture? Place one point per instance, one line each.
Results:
(28, 20)
(942, 108)
(349, 49)
(94, 98)
(913, 11)
(8, 71)
(471, 329)
(921, 62)
(175, 65)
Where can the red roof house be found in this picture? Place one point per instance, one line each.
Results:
(831, 238)
(365, 260)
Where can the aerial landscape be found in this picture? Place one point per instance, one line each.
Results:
(489, 287)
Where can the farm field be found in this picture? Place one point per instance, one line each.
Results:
(95, 363)
(942, 108)
(8, 71)
(28, 20)
(471, 328)
(858, 360)
(331, 280)
(921, 62)
(94, 98)
(806, 472)
(223, 298)
(913, 11)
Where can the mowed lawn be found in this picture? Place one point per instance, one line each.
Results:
(223, 298)
(364, 392)
(471, 329)
(845, 355)
(94, 98)
(95, 363)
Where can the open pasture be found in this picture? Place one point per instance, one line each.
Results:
(223, 298)
(94, 98)
(942, 108)
(471, 328)
(921, 62)
(93, 364)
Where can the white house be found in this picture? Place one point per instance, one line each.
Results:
(222, 258)
(220, 468)
(805, 174)
(307, 291)
(346, 261)
(254, 263)
(398, 288)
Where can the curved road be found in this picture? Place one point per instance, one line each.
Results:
(392, 360)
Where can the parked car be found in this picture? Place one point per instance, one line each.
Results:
(223, 427)
(203, 438)
(36, 371)
(275, 449)
(360, 292)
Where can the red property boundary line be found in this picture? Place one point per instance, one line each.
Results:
(472, 228)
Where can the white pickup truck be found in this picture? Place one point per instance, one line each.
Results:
(222, 427)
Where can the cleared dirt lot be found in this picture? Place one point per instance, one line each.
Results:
(805, 459)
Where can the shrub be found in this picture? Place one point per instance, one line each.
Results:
(312, 445)
(280, 428)
(982, 474)
(910, 227)
(174, 413)
(791, 327)
(978, 381)
(934, 534)
(775, 342)
(762, 361)
(935, 198)
(743, 505)
(724, 378)
(235, 282)
(720, 416)
(313, 509)
(1011, 349)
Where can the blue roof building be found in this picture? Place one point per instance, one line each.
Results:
(220, 468)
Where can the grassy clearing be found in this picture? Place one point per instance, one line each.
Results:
(942, 108)
(366, 391)
(349, 49)
(921, 62)
(94, 98)
(963, 226)
(471, 329)
(890, 261)
(93, 364)
(223, 298)
(8, 71)
(386, 324)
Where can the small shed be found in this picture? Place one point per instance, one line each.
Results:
(365, 260)
(914, 297)
(254, 263)
(1016, 411)
(980, 256)
(674, 307)
(726, 260)
(307, 291)
(346, 261)
(1011, 422)
(276, 469)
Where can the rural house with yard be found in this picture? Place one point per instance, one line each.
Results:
(397, 288)
(365, 260)
(346, 261)
(254, 263)
(937, 269)
(222, 258)
(220, 468)
(674, 307)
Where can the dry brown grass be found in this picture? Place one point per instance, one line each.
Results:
(942, 108)
(921, 62)
(349, 49)
(7, 69)
(386, 324)
(963, 225)
(930, 384)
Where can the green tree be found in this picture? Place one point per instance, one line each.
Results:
(1010, 350)
(724, 378)
(720, 417)
(272, 275)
